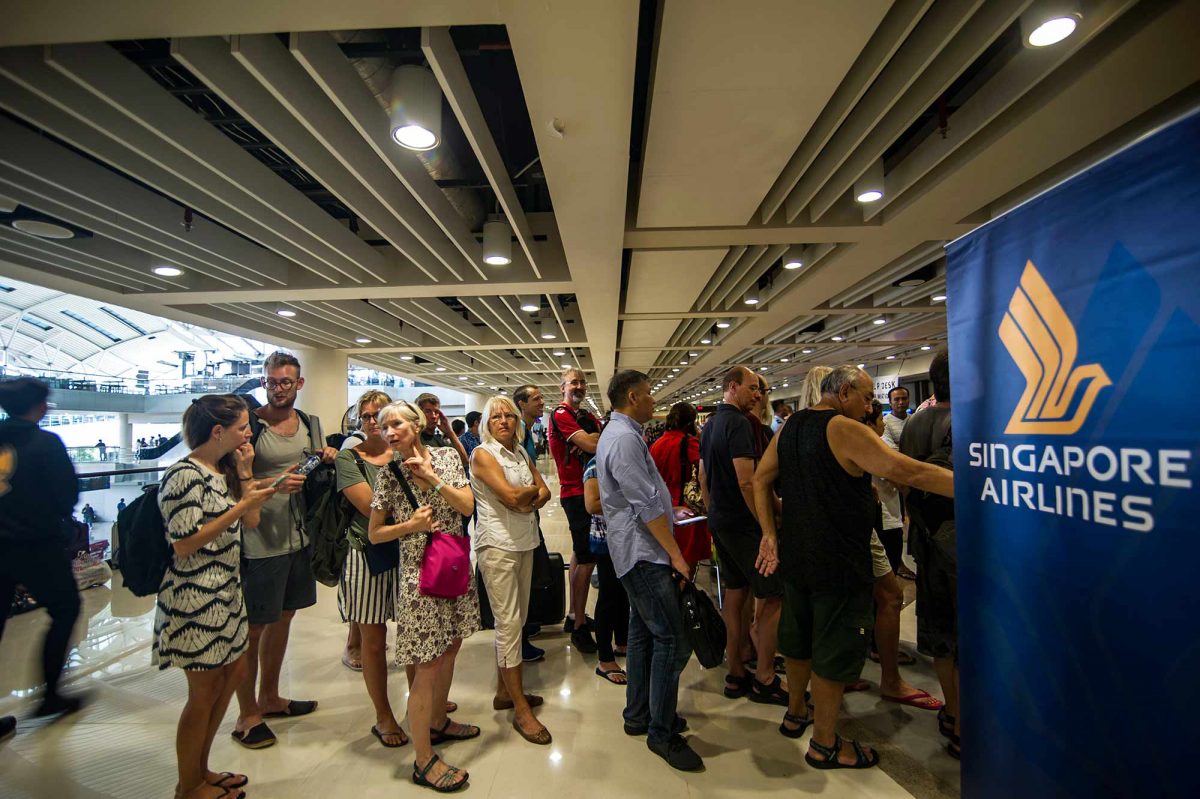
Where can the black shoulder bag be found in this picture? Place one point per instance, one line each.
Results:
(385, 556)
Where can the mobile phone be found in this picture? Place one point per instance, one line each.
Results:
(306, 466)
(690, 520)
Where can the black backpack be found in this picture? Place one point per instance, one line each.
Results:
(144, 553)
(931, 511)
(327, 522)
(586, 423)
(320, 481)
(703, 625)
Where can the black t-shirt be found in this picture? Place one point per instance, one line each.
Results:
(726, 436)
(924, 432)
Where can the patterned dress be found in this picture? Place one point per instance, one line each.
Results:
(201, 619)
(426, 625)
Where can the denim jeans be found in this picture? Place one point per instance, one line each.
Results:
(658, 649)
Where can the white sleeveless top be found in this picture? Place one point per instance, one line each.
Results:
(496, 525)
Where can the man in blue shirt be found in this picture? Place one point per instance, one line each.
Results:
(470, 439)
(637, 507)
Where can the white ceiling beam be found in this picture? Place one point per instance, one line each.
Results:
(52, 102)
(108, 75)
(935, 30)
(899, 22)
(395, 291)
(42, 253)
(319, 54)
(981, 30)
(443, 57)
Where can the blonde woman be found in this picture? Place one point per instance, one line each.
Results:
(366, 595)
(429, 629)
(508, 489)
(810, 390)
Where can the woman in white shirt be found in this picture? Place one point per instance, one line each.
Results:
(508, 489)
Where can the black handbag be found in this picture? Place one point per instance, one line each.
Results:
(703, 625)
(385, 556)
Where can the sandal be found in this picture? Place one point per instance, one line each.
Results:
(295, 707)
(945, 723)
(230, 781)
(380, 734)
(742, 685)
(445, 783)
(830, 753)
(803, 721)
(451, 707)
(954, 748)
(771, 693)
(919, 699)
(612, 675)
(438, 736)
(351, 663)
(257, 737)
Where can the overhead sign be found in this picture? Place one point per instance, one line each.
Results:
(883, 385)
(1074, 340)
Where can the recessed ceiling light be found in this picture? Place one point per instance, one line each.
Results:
(721, 323)
(559, 353)
(891, 357)
(406, 357)
(862, 366)
(783, 360)
(938, 298)
(531, 303)
(693, 354)
(463, 377)
(926, 347)
(565, 365)
(806, 352)
(794, 257)
(750, 297)
(44, 230)
(706, 341)
(785, 385)
(441, 369)
(1047, 23)
(287, 312)
(478, 383)
(363, 340)
(870, 196)
(880, 321)
(674, 370)
(762, 368)
(683, 363)
(836, 338)
(167, 271)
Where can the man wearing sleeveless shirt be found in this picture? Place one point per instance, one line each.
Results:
(823, 459)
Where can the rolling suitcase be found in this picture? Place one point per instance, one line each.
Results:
(547, 603)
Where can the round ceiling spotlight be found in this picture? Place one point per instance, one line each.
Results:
(1049, 22)
(938, 298)
(926, 348)
(879, 321)
(287, 313)
(706, 340)
(440, 369)
(869, 187)
(806, 352)
(497, 243)
(167, 271)
(891, 357)
(406, 357)
(531, 303)
(722, 323)
(416, 108)
(750, 297)
(463, 377)
(41, 229)
(794, 257)
(837, 338)
(362, 340)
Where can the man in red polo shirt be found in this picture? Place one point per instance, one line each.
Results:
(574, 433)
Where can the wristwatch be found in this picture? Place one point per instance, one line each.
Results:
(440, 485)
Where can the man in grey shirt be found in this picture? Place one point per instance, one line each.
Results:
(637, 508)
(277, 577)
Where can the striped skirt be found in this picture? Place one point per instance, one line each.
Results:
(363, 597)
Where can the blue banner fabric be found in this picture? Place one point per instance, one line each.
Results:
(1074, 326)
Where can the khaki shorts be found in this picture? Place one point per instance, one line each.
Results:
(880, 565)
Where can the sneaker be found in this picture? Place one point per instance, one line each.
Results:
(569, 624)
(531, 653)
(8, 727)
(677, 728)
(678, 754)
(582, 640)
(531, 629)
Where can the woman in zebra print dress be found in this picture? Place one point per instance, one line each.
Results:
(200, 625)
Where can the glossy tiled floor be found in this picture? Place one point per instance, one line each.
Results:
(121, 745)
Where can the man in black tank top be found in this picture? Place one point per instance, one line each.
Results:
(823, 459)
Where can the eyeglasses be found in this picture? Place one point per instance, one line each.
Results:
(374, 417)
(286, 384)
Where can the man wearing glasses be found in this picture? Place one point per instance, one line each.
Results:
(277, 576)
(728, 456)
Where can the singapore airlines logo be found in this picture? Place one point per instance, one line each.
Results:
(1042, 342)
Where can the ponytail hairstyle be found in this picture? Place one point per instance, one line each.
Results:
(198, 421)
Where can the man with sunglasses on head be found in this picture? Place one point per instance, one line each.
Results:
(277, 577)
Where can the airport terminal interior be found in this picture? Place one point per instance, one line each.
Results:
(471, 196)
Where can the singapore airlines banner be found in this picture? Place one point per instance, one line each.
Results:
(1075, 372)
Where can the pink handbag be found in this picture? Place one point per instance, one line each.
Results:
(446, 566)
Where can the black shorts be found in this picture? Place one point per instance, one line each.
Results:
(829, 628)
(937, 591)
(736, 553)
(275, 584)
(580, 522)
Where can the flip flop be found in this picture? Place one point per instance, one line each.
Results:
(230, 781)
(257, 737)
(380, 735)
(350, 664)
(921, 700)
(857, 685)
(611, 673)
(295, 707)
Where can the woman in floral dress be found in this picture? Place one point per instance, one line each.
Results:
(429, 629)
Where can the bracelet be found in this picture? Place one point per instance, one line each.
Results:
(440, 485)
(244, 479)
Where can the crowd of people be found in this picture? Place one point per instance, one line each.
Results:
(805, 514)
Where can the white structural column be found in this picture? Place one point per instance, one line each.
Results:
(126, 433)
(324, 393)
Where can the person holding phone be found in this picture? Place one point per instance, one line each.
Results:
(438, 432)
(429, 629)
(201, 624)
